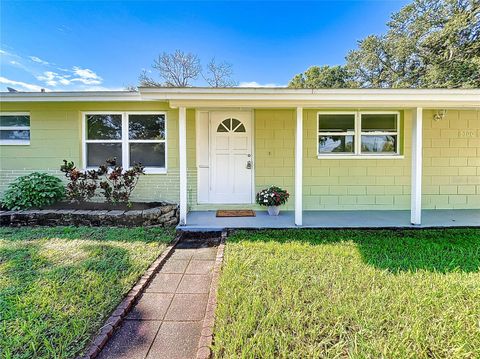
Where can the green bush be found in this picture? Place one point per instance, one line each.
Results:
(34, 190)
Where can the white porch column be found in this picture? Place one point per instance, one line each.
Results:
(416, 192)
(182, 145)
(299, 168)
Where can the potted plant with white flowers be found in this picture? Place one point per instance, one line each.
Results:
(272, 197)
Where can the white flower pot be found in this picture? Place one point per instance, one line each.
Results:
(273, 210)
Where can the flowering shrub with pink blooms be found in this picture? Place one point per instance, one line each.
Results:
(272, 196)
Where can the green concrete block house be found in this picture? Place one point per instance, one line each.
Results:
(210, 148)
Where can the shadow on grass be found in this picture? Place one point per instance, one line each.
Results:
(439, 250)
(94, 284)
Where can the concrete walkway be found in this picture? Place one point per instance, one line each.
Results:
(167, 320)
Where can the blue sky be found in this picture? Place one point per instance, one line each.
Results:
(80, 45)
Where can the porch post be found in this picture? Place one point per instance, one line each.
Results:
(182, 144)
(416, 192)
(299, 168)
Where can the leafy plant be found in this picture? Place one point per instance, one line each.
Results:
(118, 184)
(34, 190)
(82, 184)
(272, 196)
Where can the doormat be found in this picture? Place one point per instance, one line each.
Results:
(235, 213)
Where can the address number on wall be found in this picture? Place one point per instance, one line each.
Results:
(467, 133)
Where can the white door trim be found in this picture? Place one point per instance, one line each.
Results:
(230, 113)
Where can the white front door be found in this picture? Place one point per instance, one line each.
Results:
(231, 169)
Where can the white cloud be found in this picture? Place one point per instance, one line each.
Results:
(86, 76)
(24, 85)
(256, 84)
(38, 60)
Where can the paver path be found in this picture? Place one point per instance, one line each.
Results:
(167, 320)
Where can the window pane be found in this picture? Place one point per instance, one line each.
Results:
(336, 123)
(379, 144)
(104, 127)
(221, 128)
(14, 135)
(148, 154)
(9, 120)
(379, 122)
(335, 144)
(240, 128)
(98, 153)
(146, 127)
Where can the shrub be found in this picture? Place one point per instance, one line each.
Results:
(82, 184)
(118, 185)
(272, 196)
(34, 190)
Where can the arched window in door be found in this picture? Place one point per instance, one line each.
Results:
(231, 125)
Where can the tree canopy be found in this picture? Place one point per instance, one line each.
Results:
(428, 44)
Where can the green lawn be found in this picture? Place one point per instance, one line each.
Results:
(58, 285)
(350, 294)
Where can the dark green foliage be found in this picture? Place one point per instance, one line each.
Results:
(428, 44)
(322, 77)
(34, 190)
(272, 196)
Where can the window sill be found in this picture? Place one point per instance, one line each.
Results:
(360, 157)
(148, 171)
(14, 143)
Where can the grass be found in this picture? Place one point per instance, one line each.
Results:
(58, 285)
(350, 294)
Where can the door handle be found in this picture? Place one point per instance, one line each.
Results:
(249, 165)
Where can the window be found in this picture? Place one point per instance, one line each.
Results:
(350, 134)
(231, 125)
(130, 137)
(336, 133)
(14, 128)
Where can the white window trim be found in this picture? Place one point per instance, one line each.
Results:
(18, 128)
(124, 140)
(358, 137)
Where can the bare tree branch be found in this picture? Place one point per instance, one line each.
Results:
(177, 69)
(219, 74)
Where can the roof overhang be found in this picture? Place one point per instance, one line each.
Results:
(195, 97)
(319, 98)
(77, 96)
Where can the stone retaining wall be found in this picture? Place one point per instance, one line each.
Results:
(165, 215)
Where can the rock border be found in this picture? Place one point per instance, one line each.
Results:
(165, 215)
(206, 339)
(116, 318)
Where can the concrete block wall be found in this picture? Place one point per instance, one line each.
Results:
(275, 150)
(348, 184)
(451, 160)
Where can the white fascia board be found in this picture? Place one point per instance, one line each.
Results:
(324, 98)
(79, 96)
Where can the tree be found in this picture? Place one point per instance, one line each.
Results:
(219, 74)
(428, 44)
(322, 77)
(177, 69)
(180, 69)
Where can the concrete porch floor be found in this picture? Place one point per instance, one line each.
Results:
(207, 221)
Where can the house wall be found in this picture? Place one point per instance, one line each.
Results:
(338, 184)
(56, 135)
(451, 177)
(451, 160)
(275, 150)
